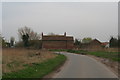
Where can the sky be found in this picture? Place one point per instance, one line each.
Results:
(79, 19)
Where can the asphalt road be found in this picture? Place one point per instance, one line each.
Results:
(81, 66)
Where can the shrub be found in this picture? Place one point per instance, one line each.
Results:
(34, 44)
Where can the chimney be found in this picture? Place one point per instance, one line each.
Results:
(65, 34)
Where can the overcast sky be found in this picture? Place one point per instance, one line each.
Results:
(79, 19)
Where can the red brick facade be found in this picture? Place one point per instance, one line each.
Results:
(93, 45)
(57, 42)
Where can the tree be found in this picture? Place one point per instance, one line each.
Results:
(25, 40)
(113, 42)
(26, 30)
(77, 42)
(86, 40)
(0, 40)
(3, 42)
(28, 38)
(119, 41)
(12, 39)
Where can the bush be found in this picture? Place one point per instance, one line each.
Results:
(57, 50)
(34, 44)
(19, 44)
(77, 51)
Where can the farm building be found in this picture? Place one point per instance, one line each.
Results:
(92, 45)
(57, 41)
(105, 44)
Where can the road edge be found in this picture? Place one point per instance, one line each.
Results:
(56, 70)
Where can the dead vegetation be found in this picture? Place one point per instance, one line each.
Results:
(17, 59)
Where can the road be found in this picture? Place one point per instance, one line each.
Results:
(81, 66)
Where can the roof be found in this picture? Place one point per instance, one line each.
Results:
(93, 41)
(57, 37)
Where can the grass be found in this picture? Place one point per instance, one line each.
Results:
(69, 50)
(77, 51)
(110, 55)
(15, 59)
(114, 56)
(58, 50)
(37, 70)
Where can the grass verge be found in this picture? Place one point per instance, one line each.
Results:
(58, 50)
(109, 55)
(114, 56)
(37, 70)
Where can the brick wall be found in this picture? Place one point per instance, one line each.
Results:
(54, 44)
(57, 44)
(70, 44)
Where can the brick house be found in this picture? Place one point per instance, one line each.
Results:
(105, 44)
(93, 45)
(57, 41)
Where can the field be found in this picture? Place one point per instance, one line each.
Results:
(17, 59)
(25, 63)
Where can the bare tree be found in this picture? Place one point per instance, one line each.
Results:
(26, 30)
(25, 40)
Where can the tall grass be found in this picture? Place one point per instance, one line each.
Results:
(16, 59)
(37, 70)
